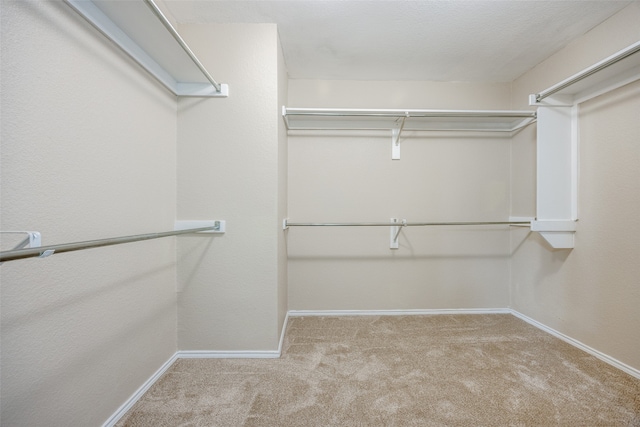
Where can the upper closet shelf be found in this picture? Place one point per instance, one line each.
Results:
(408, 120)
(142, 31)
(617, 70)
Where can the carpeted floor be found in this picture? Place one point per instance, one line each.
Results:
(439, 370)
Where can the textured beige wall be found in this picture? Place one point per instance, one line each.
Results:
(228, 168)
(590, 293)
(350, 177)
(88, 152)
(283, 156)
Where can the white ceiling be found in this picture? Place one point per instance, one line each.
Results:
(434, 40)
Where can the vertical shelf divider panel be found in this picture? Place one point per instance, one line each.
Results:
(558, 140)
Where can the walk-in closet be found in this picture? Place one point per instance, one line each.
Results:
(335, 213)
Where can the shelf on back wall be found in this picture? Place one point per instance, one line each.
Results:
(407, 120)
(397, 121)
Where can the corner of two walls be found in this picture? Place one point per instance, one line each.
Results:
(589, 293)
(231, 164)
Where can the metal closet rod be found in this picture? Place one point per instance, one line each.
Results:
(607, 62)
(44, 251)
(162, 18)
(400, 224)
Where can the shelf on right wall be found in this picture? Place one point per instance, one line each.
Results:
(558, 139)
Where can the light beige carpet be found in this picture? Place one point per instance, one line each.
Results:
(440, 370)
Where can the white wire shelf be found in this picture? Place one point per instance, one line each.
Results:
(406, 119)
(142, 31)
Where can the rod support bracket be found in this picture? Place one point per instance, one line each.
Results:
(218, 226)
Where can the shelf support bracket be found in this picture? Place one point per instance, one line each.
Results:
(219, 226)
(395, 139)
(395, 232)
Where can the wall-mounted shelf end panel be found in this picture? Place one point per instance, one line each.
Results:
(557, 175)
(142, 31)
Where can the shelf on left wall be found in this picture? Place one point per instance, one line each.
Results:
(142, 31)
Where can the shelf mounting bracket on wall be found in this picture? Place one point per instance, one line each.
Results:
(558, 138)
(395, 232)
(33, 239)
(395, 139)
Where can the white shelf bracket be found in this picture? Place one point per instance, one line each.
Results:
(33, 239)
(395, 139)
(560, 234)
(395, 232)
(219, 226)
(395, 144)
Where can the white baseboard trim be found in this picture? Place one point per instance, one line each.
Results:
(592, 351)
(138, 394)
(221, 354)
(267, 354)
(242, 354)
(328, 313)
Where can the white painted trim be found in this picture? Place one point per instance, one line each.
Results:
(138, 394)
(221, 354)
(242, 354)
(267, 354)
(605, 358)
(303, 313)
(282, 333)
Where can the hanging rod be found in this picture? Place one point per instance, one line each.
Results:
(44, 251)
(287, 224)
(607, 62)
